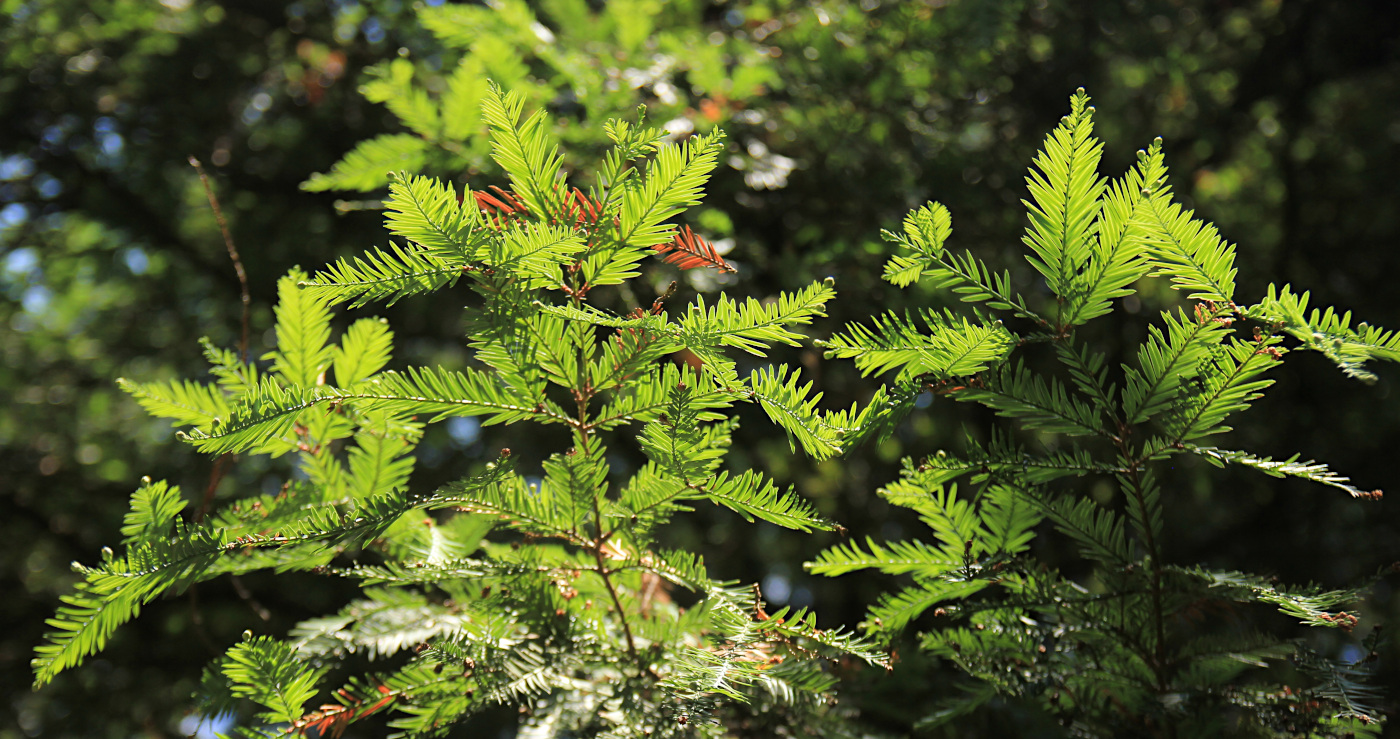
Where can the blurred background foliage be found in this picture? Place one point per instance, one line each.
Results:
(1281, 121)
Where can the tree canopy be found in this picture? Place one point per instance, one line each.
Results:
(840, 118)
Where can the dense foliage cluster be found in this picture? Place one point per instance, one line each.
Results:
(557, 593)
(1134, 644)
(572, 604)
(840, 116)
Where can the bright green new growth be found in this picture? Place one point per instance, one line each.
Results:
(553, 594)
(1121, 651)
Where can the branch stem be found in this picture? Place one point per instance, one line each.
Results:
(583, 393)
(232, 254)
(1158, 660)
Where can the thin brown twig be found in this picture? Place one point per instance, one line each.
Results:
(247, 597)
(232, 253)
(216, 475)
(222, 464)
(604, 572)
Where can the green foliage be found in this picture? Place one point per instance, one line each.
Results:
(1130, 644)
(268, 672)
(953, 346)
(119, 256)
(663, 52)
(552, 589)
(1329, 333)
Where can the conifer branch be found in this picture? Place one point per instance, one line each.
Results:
(1228, 385)
(1005, 462)
(1350, 688)
(114, 592)
(899, 558)
(752, 496)
(689, 251)
(1167, 360)
(272, 410)
(955, 346)
(523, 149)
(1089, 373)
(1105, 662)
(517, 504)
(1291, 467)
(794, 408)
(965, 275)
(751, 325)
(1015, 392)
(1065, 189)
(1309, 605)
(1117, 257)
(430, 214)
(388, 275)
(1327, 332)
(1189, 251)
(268, 672)
(1144, 511)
